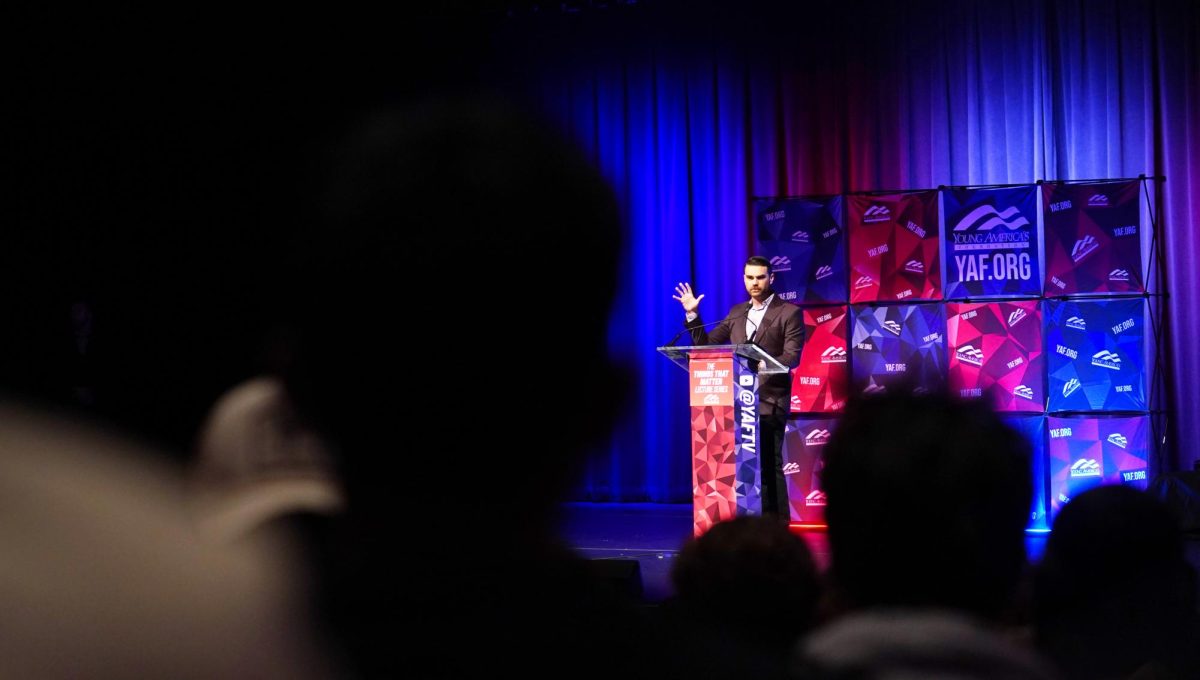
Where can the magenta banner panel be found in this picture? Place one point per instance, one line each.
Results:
(995, 352)
(1093, 239)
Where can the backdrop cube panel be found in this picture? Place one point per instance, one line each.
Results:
(992, 245)
(821, 382)
(899, 344)
(1096, 355)
(995, 353)
(894, 247)
(1093, 238)
(803, 447)
(1089, 451)
(806, 243)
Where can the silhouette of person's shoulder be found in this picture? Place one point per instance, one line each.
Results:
(105, 575)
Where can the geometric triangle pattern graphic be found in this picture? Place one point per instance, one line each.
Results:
(1090, 451)
(1096, 354)
(803, 445)
(806, 244)
(1093, 241)
(995, 351)
(714, 468)
(821, 383)
(899, 344)
(894, 242)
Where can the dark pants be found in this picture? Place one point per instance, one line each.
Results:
(774, 486)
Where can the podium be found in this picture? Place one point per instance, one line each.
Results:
(723, 388)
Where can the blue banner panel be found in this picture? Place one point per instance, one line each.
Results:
(899, 343)
(1095, 355)
(746, 452)
(1033, 428)
(992, 247)
(1090, 451)
(803, 447)
(805, 241)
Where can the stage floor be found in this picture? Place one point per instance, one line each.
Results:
(653, 534)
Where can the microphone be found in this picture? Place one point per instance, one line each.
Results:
(710, 325)
(689, 329)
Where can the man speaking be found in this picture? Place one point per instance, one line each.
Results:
(778, 328)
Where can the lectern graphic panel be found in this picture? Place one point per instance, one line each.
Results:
(995, 351)
(714, 465)
(1096, 354)
(726, 462)
(899, 343)
(803, 445)
(1093, 238)
(1086, 452)
(805, 241)
(894, 247)
(821, 382)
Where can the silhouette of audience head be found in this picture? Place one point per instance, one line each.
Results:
(927, 499)
(452, 313)
(753, 575)
(1113, 591)
(455, 313)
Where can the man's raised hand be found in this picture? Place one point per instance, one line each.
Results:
(683, 293)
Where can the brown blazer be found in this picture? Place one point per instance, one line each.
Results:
(781, 334)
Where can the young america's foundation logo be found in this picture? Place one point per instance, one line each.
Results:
(800, 236)
(791, 468)
(1118, 275)
(817, 437)
(863, 282)
(1085, 467)
(1023, 391)
(969, 355)
(987, 218)
(914, 266)
(892, 327)
(823, 272)
(1070, 387)
(1118, 439)
(1077, 323)
(1016, 316)
(781, 263)
(1107, 359)
(1084, 247)
(815, 498)
(1098, 201)
(834, 355)
(876, 213)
